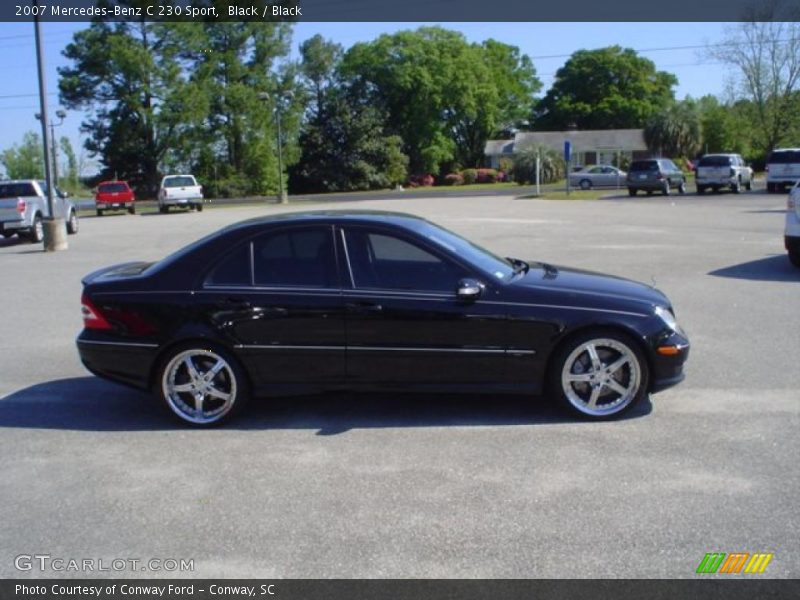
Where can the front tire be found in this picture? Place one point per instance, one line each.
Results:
(667, 189)
(736, 187)
(682, 188)
(585, 184)
(599, 375)
(202, 385)
(72, 223)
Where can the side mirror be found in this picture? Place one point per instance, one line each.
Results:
(469, 289)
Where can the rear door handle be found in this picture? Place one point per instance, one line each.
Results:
(236, 303)
(364, 307)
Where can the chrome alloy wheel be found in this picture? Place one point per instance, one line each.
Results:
(199, 386)
(601, 377)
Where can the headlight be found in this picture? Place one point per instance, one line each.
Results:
(666, 315)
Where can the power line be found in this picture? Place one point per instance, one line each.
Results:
(27, 95)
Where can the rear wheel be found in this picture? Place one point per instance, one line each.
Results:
(736, 187)
(599, 374)
(770, 188)
(202, 385)
(701, 189)
(631, 192)
(163, 209)
(131, 210)
(198, 207)
(682, 187)
(99, 213)
(667, 189)
(36, 234)
(72, 223)
(749, 185)
(585, 184)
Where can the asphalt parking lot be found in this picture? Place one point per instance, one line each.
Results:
(424, 486)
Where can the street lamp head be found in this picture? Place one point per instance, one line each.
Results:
(38, 116)
(61, 113)
(263, 96)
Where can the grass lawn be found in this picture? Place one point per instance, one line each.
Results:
(573, 195)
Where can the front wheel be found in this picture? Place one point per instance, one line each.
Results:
(736, 187)
(585, 184)
(599, 375)
(72, 223)
(201, 385)
(667, 189)
(682, 188)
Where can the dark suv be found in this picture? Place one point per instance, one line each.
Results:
(655, 175)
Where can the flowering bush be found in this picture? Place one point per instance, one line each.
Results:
(486, 175)
(420, 180)
(454, 179)
(470, 176)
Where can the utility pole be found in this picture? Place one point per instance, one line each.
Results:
(55, 231)
(283, 197)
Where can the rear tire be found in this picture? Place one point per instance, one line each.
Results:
(36, 235)
(163, 209)
(667, 190)
(599, 374)
(131, 210)
(701, 189)
(585, 184)
(198, 207)
(201, 385)
(631, 192)
(682, 188)
(99, 213)
(736, 188)
(770, 188)
(749, 185)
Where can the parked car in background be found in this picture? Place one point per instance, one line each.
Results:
(114, 195)
(783, 169)
(23, 207)
(791, 232)
(655, 175)
(368, 300)
(716, 171)
(180, 190)
(597, 176)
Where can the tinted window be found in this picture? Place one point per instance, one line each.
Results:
(182, 181)
(384, 261)
(715, 161)
(107, 188)
(234, 269)
(644, 165)
(784, 156)
(301, 258)
(12, 190)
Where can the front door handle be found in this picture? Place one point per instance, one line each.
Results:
(364, 307)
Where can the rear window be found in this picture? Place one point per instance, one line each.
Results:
(715, 161)
(644, 165)
(12, 190)
(108, 188)
(784, 156)
(182, 181)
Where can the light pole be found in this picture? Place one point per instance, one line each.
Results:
(283, 197)
(55, 231)
(61, 114)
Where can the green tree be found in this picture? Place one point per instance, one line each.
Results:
(675, 130)
(69, 172)
(443, 96)
(765, 50)
(608, 88)
(319, 60)
(24, 160)
(725, 127)
(551, 167)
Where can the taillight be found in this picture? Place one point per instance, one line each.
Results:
(21, 206)
(92, 317)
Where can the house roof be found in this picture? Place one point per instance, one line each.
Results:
(497, 147)
(599, 139)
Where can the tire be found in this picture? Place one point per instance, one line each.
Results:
(36, 235)
(736, 188)
(770, 188)
(794, 258)
(99, 213)
(667, 191)
(131, 210)
(649, 192)
(198, 207)
(587, 387)
(716, 189)
(163, 209)
(72, 223)
(701, 190)
(176, 384)
(631, 192)
(682, 188)
(585, 184)
(749, 185)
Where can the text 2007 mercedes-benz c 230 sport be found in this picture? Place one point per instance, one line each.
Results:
(371, 301)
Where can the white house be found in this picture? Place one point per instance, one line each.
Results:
(591, 147)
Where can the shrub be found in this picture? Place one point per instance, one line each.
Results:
(454, 179)
(486, 175)
(424, 180)
(551, 168)
(470, 176)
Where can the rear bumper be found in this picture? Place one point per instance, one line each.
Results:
(731, 180)
(124, 362)
(13, 225)
(113, 205)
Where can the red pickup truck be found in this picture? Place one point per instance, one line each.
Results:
(114, 195)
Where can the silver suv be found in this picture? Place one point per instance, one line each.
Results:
(717, 171)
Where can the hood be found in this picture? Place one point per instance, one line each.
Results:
(579, 282)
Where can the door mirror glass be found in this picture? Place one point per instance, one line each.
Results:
(469, 289)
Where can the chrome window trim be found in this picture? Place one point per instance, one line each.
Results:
(347, 258)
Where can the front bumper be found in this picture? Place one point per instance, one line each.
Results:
(667, 369)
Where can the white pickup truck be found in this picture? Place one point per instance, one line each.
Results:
(180, 190)
(23, 206)
(717, 171)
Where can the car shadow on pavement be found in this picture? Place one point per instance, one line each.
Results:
(771, 268)
(91, 404)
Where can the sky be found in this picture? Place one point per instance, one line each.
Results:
(672, 46)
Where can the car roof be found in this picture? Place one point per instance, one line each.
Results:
(334, 216)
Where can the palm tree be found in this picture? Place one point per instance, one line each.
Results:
(675, 131)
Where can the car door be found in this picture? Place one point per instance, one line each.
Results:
(405, 324)
(277, 297)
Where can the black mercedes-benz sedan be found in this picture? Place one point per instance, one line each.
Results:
(360, 300)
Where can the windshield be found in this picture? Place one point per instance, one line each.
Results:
(180, 181)
(108, 188)
(472, 253)
(784, 157)
(12, 190)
